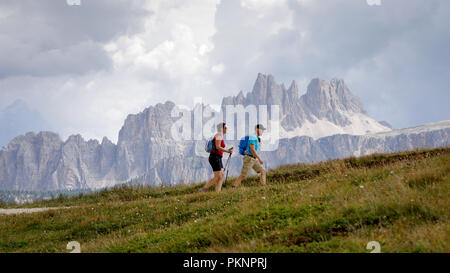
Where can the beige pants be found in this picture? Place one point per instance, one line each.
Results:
(250, 163)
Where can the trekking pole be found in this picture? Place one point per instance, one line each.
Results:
(227, 166)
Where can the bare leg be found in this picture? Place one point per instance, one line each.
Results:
(213, 180)
(238, 181)
(219, 182)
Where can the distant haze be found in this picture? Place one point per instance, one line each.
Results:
(85, 68)
(18, 119)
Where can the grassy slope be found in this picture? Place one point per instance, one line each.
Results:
(400, 200)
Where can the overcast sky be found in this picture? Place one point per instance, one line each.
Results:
(85, 68)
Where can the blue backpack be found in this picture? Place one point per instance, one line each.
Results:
(243, 143)
(209, 145)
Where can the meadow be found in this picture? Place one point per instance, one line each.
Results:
(400, 200)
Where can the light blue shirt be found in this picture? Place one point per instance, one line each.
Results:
(252, 139)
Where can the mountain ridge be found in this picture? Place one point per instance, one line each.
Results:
(331, 104)
(146, 150)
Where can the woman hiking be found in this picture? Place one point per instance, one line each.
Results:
(215, 158)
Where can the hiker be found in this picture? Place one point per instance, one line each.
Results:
(215, 158)
(251, 159)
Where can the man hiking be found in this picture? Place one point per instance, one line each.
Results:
(215, 158)
(251, 159)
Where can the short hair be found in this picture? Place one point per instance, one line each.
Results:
(260, 126)
(220, 126)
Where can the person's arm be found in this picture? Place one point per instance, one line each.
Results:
(255, 154)
(219, 147)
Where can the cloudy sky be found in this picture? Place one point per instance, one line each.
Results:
(86, 67)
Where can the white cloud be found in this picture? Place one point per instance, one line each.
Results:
(183, 49)
(165, 60)
(261, 4)
(218, 69)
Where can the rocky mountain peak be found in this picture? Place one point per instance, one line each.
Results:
(32, 138)
(106, 141)
(153, 122)
(240, 96)
(322, 97)
(293, 90)
(75, 139)
(266, 91)
(326, 100)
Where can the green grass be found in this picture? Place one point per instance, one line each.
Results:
(400, 200)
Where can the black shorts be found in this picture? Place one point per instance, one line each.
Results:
(216, 162)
